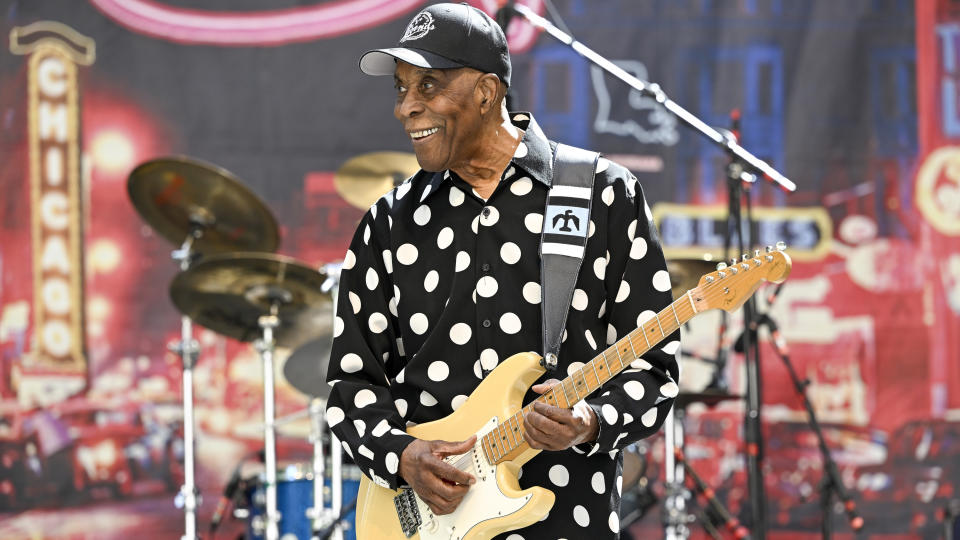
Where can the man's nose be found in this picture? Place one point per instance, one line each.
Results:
(408, 107)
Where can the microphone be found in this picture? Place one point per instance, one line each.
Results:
(779, 342)
(504, 15)
(773, 296)
(234, 486)
(228, 494)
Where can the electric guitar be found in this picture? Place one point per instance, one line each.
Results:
(495, 503)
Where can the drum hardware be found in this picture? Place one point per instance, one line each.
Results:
(203, 208)
(685, 274)
(269, 299)
(727, 519)
(676, 518)
(367, 177)
(306, 368)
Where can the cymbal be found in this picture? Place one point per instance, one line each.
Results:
(306, 368)
(367, 177)
(178, 196)
(708, 397)
(685, 274)
(229, 292)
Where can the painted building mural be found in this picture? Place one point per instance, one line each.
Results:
(855, 101)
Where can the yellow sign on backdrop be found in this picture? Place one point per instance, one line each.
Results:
(54, 52)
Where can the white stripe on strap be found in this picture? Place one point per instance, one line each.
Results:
(554, 248)
(570, 191)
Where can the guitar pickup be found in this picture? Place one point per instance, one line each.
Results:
(407, 511)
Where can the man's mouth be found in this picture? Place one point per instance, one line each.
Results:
(423, 134)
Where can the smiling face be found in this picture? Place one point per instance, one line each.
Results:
(441, 111)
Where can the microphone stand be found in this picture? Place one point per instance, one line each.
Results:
(831, 484)
(747, 167)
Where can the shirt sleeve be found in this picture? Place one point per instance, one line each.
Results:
(365, 355)
(634, 404)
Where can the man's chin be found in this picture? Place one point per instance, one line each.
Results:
(430, 164)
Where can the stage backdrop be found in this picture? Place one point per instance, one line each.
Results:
(855, 101)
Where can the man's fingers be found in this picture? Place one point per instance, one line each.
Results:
(445, 471)
(445, 448)
(545, 385)
(539, 431)
(558, 415)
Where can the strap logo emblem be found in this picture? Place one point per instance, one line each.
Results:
(567, 217)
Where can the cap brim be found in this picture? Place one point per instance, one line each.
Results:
(383, 61)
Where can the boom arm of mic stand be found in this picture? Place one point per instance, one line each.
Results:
(654, 91)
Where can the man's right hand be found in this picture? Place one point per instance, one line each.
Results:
(441, 485)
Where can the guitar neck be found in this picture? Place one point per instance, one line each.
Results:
(507, 438)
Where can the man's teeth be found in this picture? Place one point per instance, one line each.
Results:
(424, 133)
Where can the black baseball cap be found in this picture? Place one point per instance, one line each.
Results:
(445, 36)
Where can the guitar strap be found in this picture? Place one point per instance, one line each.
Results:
(566, 223)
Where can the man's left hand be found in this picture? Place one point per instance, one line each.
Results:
(552, 428)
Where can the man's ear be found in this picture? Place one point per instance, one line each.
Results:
(487, 89)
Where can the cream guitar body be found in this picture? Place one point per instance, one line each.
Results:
(495, 411)
(494, 504)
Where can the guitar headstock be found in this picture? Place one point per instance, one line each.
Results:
(732, 284)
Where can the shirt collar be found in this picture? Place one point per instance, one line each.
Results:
(534, 154)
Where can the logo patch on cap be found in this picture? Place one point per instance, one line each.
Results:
(418, 27)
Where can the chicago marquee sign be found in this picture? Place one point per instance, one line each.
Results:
(54, 52)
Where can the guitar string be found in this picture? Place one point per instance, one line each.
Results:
(623, 366)
(709, 292)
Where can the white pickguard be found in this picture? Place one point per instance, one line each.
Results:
(483, 502)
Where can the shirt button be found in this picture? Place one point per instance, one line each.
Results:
(485, 267)
(486, 323)
(486, 211)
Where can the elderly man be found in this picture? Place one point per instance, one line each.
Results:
(442, 282)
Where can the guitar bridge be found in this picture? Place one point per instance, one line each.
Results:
(407, 511)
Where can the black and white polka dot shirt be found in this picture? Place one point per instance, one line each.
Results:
(439, 286)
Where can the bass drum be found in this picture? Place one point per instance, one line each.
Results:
(294, 499)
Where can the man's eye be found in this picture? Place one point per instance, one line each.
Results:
(401, 89)
(427, 85)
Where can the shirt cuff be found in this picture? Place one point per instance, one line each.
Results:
(590, 447)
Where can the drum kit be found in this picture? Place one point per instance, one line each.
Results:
(232, 282)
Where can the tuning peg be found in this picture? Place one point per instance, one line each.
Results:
(744, 265)
(769, 249)
(721, 265)
(734, 261)
(781, 246)
(756, 253)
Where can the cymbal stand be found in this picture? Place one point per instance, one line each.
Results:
(326, 522)
(265, 346)
(188, 350)
(321, 517)
(675, 516)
